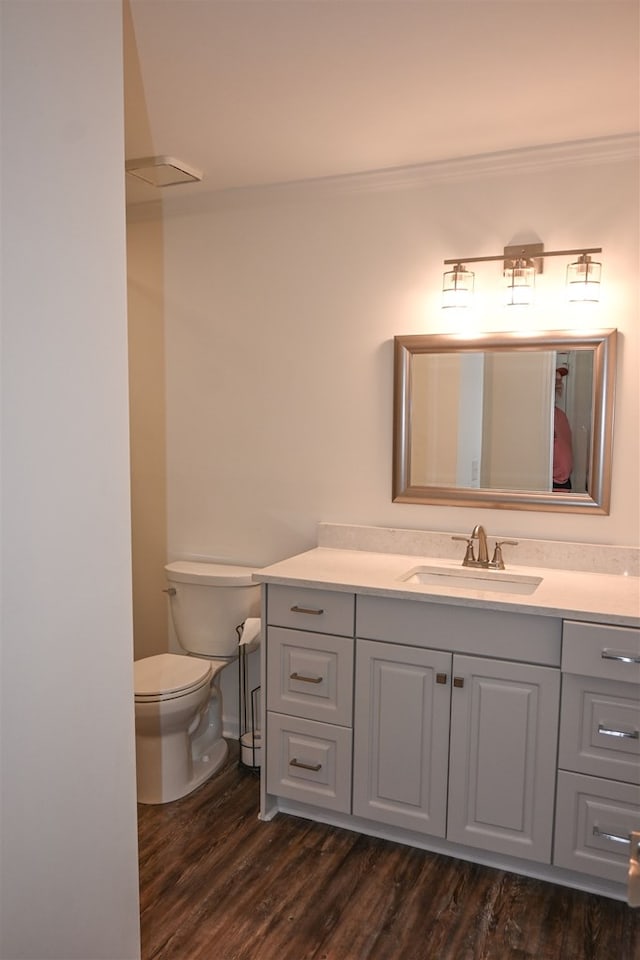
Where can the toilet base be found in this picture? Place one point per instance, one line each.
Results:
(204, 767)
(207, 764)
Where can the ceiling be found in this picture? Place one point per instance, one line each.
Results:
(268, 91)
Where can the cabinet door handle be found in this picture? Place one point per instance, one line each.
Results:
(603, 835)
(622, 655)
(298, 676)
(305, 766)
(610, 732)
(458, 681)
(310, 610)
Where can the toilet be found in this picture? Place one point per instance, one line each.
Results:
(178, 708)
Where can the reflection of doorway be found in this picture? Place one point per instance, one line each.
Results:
(517, 443)
(577, 403)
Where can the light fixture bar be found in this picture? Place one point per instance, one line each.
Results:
(523, 247)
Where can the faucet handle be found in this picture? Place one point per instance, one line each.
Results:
(469, 556)
(498, 562)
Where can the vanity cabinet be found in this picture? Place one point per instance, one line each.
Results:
(310, 696)
(494, 734)
(456, 746)
(484, 723)
(598, 799)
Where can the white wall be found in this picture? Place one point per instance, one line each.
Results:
(68, 828)
(280, 309)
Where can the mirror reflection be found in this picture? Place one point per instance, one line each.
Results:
(505, 420)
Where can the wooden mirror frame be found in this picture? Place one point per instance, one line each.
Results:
(596, 500)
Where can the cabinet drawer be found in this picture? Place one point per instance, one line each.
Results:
(600, 650)
(600, 728)
(594, 820)
(310, 675)
(319, 611)
(309, 761)
(484, 633)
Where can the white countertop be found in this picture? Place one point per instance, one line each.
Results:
(598, 597)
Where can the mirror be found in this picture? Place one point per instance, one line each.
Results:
(503, 420)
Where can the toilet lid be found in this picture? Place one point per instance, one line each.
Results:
(211, 574)
(168, 673)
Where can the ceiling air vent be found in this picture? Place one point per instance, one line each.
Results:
(162, 171)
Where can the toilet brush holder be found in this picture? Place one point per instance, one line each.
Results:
(248, 700)
(251, 749)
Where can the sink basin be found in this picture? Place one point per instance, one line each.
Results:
(472, 578)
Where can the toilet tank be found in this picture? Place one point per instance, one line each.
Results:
(209, 602)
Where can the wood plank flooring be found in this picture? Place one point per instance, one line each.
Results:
(218, 884)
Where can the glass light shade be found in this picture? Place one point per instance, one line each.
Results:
(457, 287)
(520, 277)
(583, 279)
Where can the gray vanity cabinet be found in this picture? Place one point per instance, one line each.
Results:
(484, 731)
(598, 803)
(456, 746)
(310, 696)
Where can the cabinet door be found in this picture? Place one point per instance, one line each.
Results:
(504, 728)
(401, 735)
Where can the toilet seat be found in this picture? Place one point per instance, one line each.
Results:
(167, 676)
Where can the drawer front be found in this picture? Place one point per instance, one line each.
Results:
(309, 762)
(319, 611)
(600, 650)
(600, 728)
(310, 675)
(594, 820)
(481, 633)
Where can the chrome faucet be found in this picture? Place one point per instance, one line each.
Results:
(479, 533)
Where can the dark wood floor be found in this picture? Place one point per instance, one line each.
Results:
(218, 884)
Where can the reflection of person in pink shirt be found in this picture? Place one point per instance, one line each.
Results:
(562, 444)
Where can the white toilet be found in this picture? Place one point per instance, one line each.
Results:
(178, 711)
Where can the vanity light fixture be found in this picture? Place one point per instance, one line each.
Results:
(583, 279)
(457, 287)
(521, 262)
(520, 276)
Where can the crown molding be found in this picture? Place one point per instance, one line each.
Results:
(596, 151)
(542, 157)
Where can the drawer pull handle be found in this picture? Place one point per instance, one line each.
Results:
(298, 676)
(620, 655)
(609, 732)
(305, 766)
(603, 835)
(314, 612)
